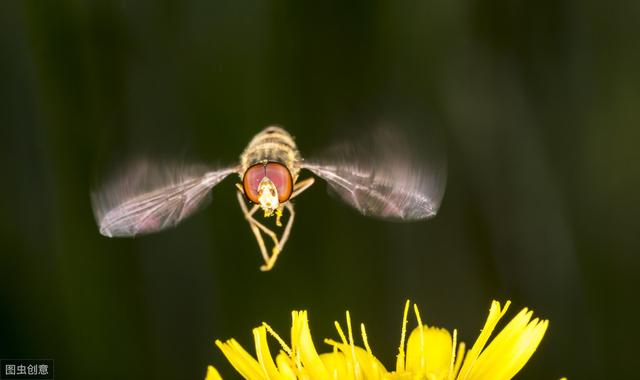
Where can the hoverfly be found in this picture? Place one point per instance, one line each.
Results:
(380, 179)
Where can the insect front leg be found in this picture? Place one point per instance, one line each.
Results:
(301, 186)
(256, 227)
(298, 188)
(253, 227)
(283, 239)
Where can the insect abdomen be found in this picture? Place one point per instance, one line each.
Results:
(272, 144)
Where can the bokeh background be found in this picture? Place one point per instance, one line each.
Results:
(537, 104)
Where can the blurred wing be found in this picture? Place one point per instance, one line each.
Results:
(382, 177)
(150, 198)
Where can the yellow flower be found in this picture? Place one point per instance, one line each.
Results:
(431, 353)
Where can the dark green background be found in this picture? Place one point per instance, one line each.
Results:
(537, 103)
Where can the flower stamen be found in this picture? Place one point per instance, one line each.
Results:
(340, 332)
(356, 367)
(453, 354)
(364, 339)
(400, 360)
(280, 340)
(421, 327)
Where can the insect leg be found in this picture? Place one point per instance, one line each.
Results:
(298, 188)
(249, 216)
(254, 228)
(301, 186)
(262, 227)
(285, 236)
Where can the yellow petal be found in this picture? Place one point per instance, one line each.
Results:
(264, 355)
(240, 359)
(302, 344)
(285, 366)
(429, 351)
(212, 374)
(511, 348)
(337, 366)
(365, 364)
(495, 313)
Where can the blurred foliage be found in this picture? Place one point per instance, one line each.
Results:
(538, 104)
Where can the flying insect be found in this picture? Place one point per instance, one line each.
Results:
(379, 177)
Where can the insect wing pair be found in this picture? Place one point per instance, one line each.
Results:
(379, 177)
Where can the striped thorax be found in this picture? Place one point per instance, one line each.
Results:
(273, 144)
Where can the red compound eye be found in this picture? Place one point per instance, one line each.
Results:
(277, 173)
